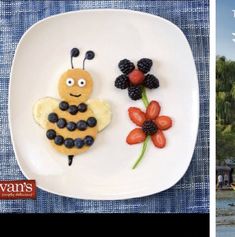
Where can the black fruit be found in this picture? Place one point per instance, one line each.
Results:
(79, 143)
(81, 125)
(144, 64)
(61, 123)
(51, 134)
(135, 92)
(122, 82)
(82, 107)
(151, 82)
(149, 127)
(63, 105)
(73, 109)
(91, 122)
(69, 143)
(59, 140)
(71, 126)
(89, 140)
(126, 66)
(53, 117)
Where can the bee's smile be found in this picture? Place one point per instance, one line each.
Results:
(75, 95)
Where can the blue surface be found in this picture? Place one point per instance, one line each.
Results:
(191, 193)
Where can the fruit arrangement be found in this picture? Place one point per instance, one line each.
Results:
(136, 80)
(150, 123)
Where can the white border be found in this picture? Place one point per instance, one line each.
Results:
(212, 118)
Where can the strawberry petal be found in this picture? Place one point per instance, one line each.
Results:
(136, 136)
(163, 122)
(153, 110)
(136, 115)
(159, 139)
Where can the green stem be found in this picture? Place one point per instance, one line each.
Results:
(142, 152)
(144, 97)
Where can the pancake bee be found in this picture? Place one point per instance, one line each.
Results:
(73, 122)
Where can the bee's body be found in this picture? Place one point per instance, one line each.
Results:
(65, 133)
(71, 126)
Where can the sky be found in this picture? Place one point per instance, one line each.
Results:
(225, 26)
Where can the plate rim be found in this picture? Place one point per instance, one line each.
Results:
(136, 194)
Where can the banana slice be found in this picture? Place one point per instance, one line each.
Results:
(42, 108)
(102, 112)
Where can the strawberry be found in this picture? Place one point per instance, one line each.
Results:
(159, 139)
(136, 77)
(163, 122)
(136, 116)
(136, 136)
(153, 110)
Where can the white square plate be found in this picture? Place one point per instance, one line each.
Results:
(104, 171)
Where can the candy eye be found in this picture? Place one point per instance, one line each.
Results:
(81, 82)
(70, 82)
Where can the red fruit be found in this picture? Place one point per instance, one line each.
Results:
(136, 77)
(159, 139)
(136, 116)
(136, 136)
(153, 110)
(163, 122)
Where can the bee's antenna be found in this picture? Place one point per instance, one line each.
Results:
(89, 55)
(74, 53)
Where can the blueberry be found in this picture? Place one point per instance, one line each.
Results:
(91, 122)
(59, 140)
(79, 143)
(71, 126)
(81, 125)
(61, 123)
(63, 105)
(89, 140)
(75, 52)
(73, 109)
(68, 142)
(90, 55)
(82, 107)
(51, 134)
(52, 117)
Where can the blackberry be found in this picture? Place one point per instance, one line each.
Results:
(122, 82)
(126, 66)
(149, 127)
(144, 64)
(151, 82)
(135, 92)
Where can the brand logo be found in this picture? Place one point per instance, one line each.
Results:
(18, 189)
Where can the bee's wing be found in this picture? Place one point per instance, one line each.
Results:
(102, 112)
(42, 108)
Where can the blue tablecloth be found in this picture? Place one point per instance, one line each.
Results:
(191, 193)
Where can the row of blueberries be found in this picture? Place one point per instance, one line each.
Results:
(71, 126)
(69, 142)
(73, 109)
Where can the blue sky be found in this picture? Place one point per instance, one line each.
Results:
(224, 28)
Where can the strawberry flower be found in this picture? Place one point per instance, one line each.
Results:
(150, 124)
